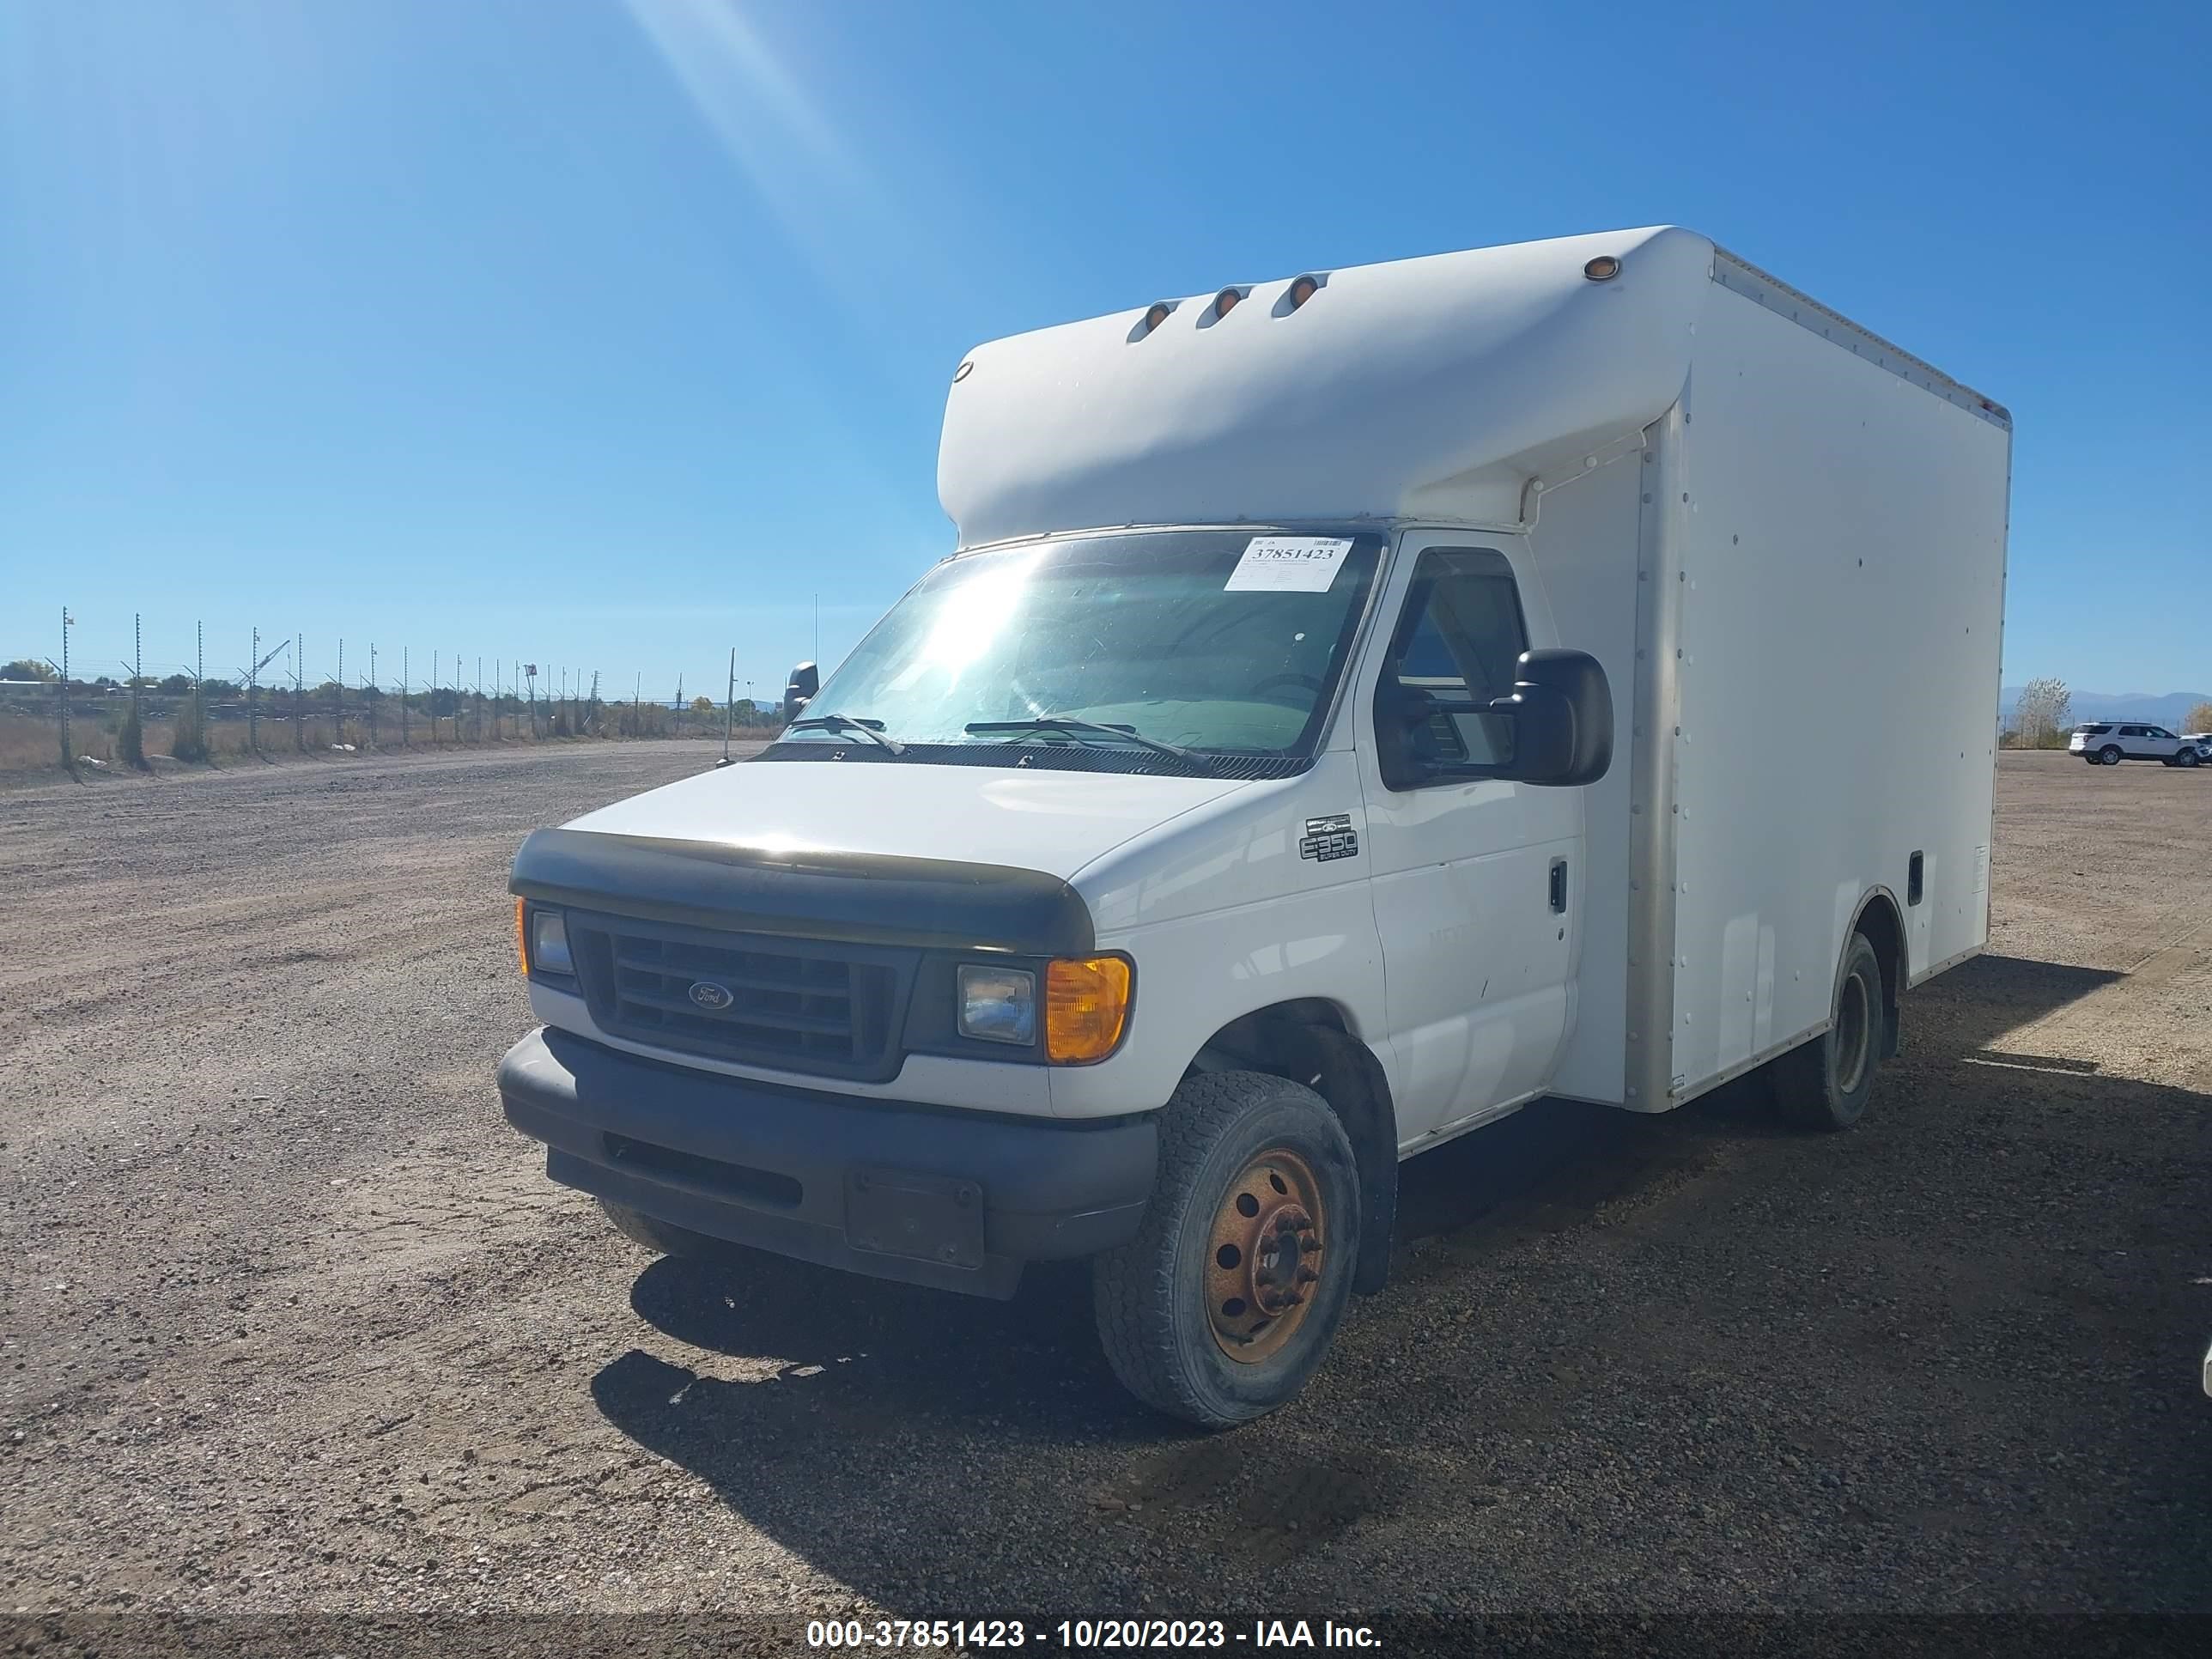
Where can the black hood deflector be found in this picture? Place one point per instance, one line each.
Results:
(864, 898)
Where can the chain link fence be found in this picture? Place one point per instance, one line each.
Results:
(271, 707)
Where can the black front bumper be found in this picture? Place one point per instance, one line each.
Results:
(955, 1199)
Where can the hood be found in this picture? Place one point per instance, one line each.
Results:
(1052, 821)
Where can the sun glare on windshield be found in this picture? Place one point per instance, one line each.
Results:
(969, 619)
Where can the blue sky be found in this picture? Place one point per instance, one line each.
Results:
(610, 334)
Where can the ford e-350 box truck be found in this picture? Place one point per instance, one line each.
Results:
(1358, 705)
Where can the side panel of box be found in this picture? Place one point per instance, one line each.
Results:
(1838, 537)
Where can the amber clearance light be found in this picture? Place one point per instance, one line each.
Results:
(1086, 1005)
(521, 941)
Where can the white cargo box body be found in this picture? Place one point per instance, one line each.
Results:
(1784, 538)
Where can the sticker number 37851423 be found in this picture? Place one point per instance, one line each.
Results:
(1287, 564)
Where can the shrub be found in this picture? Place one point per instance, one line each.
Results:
(131, 741)
(188, 738)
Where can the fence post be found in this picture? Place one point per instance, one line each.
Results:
(137, 677)
(69, 754)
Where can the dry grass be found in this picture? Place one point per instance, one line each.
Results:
(33, 745)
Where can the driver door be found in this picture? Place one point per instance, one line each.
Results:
(1476, 879)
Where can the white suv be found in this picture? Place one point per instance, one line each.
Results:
(2107, 742)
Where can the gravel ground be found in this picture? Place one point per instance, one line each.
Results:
(293, 1322)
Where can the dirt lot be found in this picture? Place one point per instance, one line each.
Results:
(292, 1322)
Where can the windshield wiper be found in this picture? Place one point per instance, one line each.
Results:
(1070, 723)
(844, 724)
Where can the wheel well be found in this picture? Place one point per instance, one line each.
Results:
(1309, 1040)
(1885, 930)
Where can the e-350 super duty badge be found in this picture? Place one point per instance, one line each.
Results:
(1332, 837)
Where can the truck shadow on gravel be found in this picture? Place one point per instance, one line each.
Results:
(934, 1451)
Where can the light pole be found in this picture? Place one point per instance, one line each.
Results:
(729, 707)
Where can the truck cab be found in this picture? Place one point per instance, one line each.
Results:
(1235, 812)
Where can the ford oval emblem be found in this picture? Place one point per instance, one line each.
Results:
(710, 996)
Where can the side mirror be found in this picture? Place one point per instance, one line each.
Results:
(1562, 714)
(805, 681)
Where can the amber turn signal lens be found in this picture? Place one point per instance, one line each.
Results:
(521, 941)
(1086, 1003)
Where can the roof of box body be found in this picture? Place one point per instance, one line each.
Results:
(1423, 388)
(1398, 390)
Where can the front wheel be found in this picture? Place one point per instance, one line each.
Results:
(1222, 1307)
(2186, 757)
(661, 1237)
(1825, 1084)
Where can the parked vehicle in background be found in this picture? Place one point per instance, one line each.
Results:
(1358, 705)
(2107, 742)
(2199, 745)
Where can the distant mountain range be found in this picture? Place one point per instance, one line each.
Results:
(2168, 709)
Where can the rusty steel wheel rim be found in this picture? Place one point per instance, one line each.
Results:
(1265, 1256)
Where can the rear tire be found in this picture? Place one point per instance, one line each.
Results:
(1827, 1083)
(2108, 755)
(1222, 1306)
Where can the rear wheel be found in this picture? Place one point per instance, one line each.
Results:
(1222, 1306)
(1825, 1084)
(2108, 755)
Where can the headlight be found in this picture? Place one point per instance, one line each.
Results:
(998, 1004)
(549, 943)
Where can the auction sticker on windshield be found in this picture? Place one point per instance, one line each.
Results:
(1287, 564)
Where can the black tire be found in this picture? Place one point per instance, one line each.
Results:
(2187, 758)
(1827, 1083)
(2108, 755)
(1152, 1297)
(661, 1237)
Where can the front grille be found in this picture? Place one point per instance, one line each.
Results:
(796, 1005)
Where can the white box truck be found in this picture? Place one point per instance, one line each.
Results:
(1358, 705)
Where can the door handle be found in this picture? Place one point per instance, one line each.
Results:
(1559, 884)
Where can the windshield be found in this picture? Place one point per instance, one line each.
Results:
(1218, 642)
